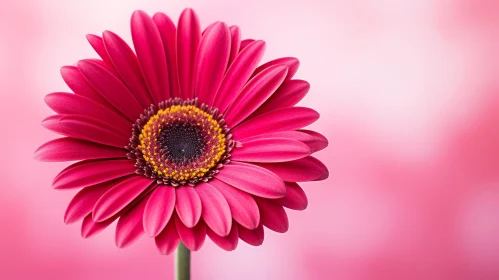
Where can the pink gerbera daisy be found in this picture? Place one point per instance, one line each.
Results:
(183, 138)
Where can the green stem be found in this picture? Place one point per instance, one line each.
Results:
(182, 263)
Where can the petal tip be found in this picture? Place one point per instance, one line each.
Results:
(188, 10)
(92, 37)
(323, 176)
(138, 13)
(98, 215)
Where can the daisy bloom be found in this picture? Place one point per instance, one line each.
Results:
(184, 137)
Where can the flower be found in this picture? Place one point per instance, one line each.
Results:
(183, 138)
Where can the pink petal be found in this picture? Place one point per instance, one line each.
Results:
(290, 62)
(129, 228)
(70, 149)
(216, 210)
(90, 228)
(88, 173)
(242, 205)
(252, 179)
(188, 205)
(193, 238)
(253, 237)
(72, 104)
(88, 128)
(106, 66)
(290, 134)
(229, 242)
(151, 54)
(208, 28)
(319, 141)
(279, 120)
(126, 64)
(245, 43)
(238, 74)
(287, 95)
(83, 202)
(119, 197)
(98, 45)
(271, 150)
(254, 93)
(313, 140)
(295, 198)
(52, 123)
(80, 86)
(168, 240)
(301, 170)
(159, 209)
(168, 33)
(273, 216)
(235, 43)
(188, 38)
(111, 88)
(211, 62)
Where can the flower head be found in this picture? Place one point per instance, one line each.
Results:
(183, 138)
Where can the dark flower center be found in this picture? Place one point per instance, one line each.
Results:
(180, 143)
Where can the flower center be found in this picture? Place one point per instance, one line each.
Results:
(180, 143)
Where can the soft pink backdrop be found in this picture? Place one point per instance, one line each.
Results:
(409, 97)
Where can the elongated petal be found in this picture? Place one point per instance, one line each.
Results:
(159, 209)
(211, 62)
(52, 123)
(252, 179)
(70, 149)
(274, 121)
(295, 198)
(290, 62)
(126, 64)
(80, 86)
(90, 228)
(88, 173)
(254, 93)
(242, 205)
(253, 237)
(229, 242)
(130, 226)
(245, 43)
(238, 74)
(271, 150)
(287, 95)
(301, 170)
(319, 141)
(72, 104)
(290, 134)
(188, 38)
(111, 88)
(168, 240)
(272, 215)
(208, 28)
(235, 43)
(168, 33)
(98, 45)
(108, 67)
(188, 206)
(151, 54)
(119, 197)
(315, 141)
(193, 238)
(83, 202)
(216, 210)
(91, 129)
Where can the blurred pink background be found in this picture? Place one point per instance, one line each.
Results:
(409, 97)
